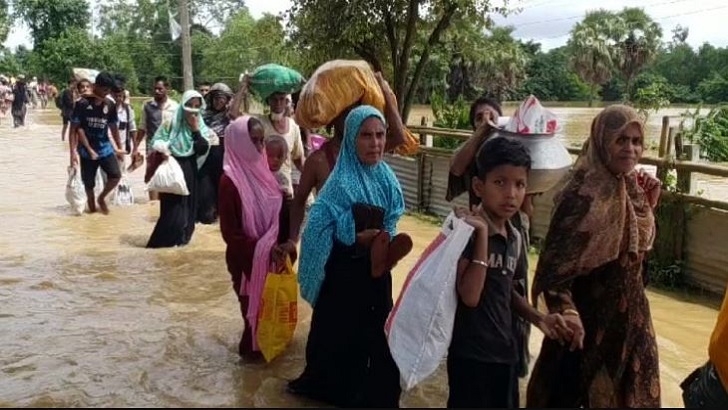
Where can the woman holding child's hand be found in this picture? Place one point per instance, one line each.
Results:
(591, 272)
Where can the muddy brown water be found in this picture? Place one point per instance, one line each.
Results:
(576, 122)
(91, 318)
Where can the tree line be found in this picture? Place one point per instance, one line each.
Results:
(430, 50)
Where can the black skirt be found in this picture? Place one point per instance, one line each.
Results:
(208, 181)
(177, 213)
(348, 363)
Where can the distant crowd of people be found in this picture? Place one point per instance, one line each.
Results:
(18, 94)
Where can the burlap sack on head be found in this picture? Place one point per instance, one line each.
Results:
(335, 86)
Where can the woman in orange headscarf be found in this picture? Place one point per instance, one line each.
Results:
(591, 271)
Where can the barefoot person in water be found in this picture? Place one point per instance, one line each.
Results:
(93, 116)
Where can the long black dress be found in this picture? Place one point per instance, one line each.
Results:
(19, 109)
(177, 213)
(348, 363)
(208, 180)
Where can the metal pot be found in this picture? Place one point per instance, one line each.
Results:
(550, 160)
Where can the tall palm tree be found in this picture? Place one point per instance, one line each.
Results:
(637, 46)
(501, 64)
(592, 50)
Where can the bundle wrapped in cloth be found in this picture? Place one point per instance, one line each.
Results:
(85, 74)
(337, 85)
(269, 79)
(537, 129)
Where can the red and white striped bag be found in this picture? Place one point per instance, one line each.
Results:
(419, 327)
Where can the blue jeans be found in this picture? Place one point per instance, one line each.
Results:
(703, 389)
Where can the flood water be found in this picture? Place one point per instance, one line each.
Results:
(576, 123)
(91, 318)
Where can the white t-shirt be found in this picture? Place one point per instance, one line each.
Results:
(292, 137)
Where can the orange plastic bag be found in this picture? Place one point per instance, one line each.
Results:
(335, 86)
(278, 312)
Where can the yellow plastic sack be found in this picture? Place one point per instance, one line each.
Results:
(335, 86)
(278, 312)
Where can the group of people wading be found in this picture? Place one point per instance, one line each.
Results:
(588, 292)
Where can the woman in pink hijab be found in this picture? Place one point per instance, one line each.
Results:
(253, 221)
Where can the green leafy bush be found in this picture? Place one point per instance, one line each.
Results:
(453, 116)
(710, 133)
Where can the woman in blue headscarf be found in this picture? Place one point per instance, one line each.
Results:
(346, 256)
(187, 138)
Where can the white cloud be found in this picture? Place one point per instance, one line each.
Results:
(20, 34)
(549, 22)
(275, 7)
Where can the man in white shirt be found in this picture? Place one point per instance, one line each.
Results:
(154, 113)
(278, 123)
(127, 120)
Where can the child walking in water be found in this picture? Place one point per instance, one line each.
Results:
(483, 351)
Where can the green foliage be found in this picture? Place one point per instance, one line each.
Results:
(670, 216)
(502, 66)
(424, 47)
(395, 36)
(453, 116)
(714, 89)
(9, 63)
(710, 132)
(243, 45)
(591, 49)
(50, 18)
(76, 48)
(652, 94)
(637, 44)
(5, 21)
(548, 76)
(605, 43)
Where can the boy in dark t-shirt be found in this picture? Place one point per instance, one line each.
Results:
(484, 350)
(93, 117)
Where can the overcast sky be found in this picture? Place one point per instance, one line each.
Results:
(549, 21)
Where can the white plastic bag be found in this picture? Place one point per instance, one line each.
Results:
(533, 118)
(419, 327)
(100, 181)
(123, 195)
(169, 178)
(75, 191)
(85, 74)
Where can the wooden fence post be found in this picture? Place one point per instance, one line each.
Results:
(423, 136)
(686, 180)
(421, 163)
(661, 173)
(665, 154)
(663, 136)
